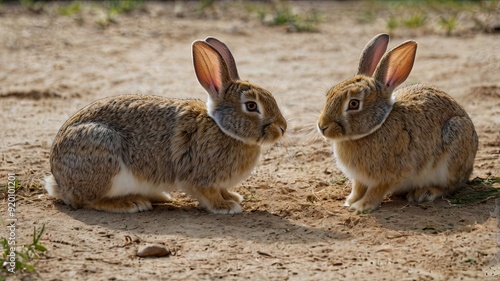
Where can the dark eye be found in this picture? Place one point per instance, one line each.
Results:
(251, 106)
(353, 104)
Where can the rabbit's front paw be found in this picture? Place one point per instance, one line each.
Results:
(350, 200)
(358, 191)
(364, 205)
(219, 200)
(353, 198)
(231, 195)
(225, 207)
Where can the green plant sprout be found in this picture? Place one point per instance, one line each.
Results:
(448, 24)
(24, 253)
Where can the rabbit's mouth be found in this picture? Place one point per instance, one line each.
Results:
(271, 133)
(334, 130)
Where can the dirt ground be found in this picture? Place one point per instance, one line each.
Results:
(293, 226)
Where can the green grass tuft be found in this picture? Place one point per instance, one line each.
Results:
(114, 8)
(33, 5)
(205, 4)
(448, 24)
(392, 24)
(24, 253)
(423, 16)
(69, 9)
(489, 181)
(282, 14)
(415, 21)
(478, 190)
(342, 180)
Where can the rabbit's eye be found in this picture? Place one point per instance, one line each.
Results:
(353, 104)
(251, 106)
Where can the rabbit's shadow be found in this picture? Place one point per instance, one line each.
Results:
(432, 217)
(193, 222)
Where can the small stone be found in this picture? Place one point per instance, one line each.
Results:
(153, 250)
(263, 186)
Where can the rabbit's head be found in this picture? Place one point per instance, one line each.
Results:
(358, 106)
(242, 110)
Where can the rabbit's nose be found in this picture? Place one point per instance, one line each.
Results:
(282, 124)
(322, 129)
(282, 130)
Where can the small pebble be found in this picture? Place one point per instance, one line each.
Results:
(153, 250)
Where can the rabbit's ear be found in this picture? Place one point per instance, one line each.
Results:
(226, 55)
(372, 54)
(210, 68)
(396, 65)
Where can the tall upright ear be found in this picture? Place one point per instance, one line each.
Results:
(396, 65)
(210, 68)
(226, 55)
(372, 54)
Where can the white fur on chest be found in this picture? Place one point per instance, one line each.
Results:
(351, 172)
(238, 178)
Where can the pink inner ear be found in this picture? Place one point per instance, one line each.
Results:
(390, 82)
(379, 52)
(214, 88)
(215, 71)
(207, 67)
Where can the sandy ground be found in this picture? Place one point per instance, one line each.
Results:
(293, 226)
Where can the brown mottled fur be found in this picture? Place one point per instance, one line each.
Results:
(166, 143)
(425, 145)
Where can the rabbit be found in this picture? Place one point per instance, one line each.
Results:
(416, 141)
(120, 154)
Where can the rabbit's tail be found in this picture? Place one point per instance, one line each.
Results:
(52, 187)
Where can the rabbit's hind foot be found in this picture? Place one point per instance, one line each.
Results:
(424, 194)
(124, 204)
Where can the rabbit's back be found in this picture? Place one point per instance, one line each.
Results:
(137, 129)
(423, 112)
(427, 100)
(135, 114)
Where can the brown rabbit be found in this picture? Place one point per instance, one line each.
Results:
(416, 140)
(121, 153)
